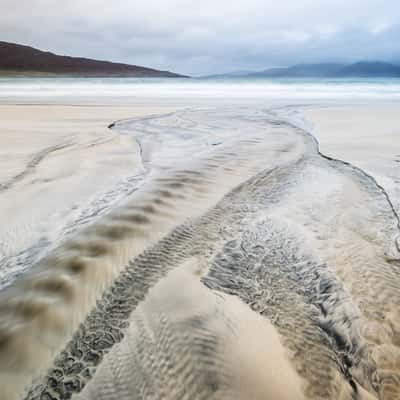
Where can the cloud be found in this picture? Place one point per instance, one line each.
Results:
(195, 37)
(379, 28)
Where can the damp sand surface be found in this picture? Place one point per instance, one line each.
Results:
(60, 167)
(366, 136)
(239, 263)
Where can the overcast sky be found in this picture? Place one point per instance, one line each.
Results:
(204, 36)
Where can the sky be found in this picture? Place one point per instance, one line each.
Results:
(205, 37)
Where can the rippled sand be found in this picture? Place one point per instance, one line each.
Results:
(244, 265)
(59, 167)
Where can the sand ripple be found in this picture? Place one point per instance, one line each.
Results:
(247, 265)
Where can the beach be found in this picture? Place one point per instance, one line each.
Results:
(366, 136)
(186, 246)
(69, 167)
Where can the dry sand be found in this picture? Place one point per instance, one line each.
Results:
(366, 136)
(362, 135)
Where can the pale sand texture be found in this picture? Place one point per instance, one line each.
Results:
(253, 363)
(366, 136)
(78, 271)
(28, 129)
(358, 134)
(280, 235)
(58, 165)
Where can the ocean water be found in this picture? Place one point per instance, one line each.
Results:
(122, 89)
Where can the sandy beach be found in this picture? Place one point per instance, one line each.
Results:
(366, 136)
(199, 200)
(200, 252)
(59, 166)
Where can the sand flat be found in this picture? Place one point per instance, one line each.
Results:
(368, 136)
(246, 265)
(28, 129)
(358, 134)
(59, 164)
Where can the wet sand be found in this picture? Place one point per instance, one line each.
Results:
(240, 265)
(60, 166)
(366, 136)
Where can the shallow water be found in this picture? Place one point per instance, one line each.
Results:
(243, 250)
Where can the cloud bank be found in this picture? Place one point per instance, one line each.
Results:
(205, 37)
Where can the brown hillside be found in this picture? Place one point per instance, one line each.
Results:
(17, 58)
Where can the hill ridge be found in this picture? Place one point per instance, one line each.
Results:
(22, 59)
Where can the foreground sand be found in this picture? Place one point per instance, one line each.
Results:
(59, 166)
(366, 136)
(243, 265)
(363, 135)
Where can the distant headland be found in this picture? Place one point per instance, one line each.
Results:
(17, 60)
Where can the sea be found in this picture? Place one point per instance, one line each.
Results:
(28, 89)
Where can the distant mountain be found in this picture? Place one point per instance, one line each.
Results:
(233, 74)
(370, 69)
(302, 71)
(17, 59)
(364, 69)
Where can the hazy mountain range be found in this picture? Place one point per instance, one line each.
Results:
(16, 59)
(364, 69)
